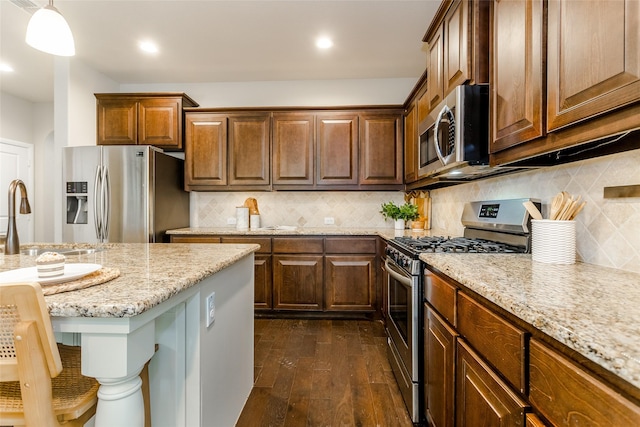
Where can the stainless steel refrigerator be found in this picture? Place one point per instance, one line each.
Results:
(128, 194)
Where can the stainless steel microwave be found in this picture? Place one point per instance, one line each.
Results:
(454, 138)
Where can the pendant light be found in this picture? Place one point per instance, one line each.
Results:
(49, 32)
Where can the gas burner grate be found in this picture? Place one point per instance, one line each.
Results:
(439, 244)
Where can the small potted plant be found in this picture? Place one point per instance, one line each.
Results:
(400, 214)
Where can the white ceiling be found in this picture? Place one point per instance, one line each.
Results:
(223, 41)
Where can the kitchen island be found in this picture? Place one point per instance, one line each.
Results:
(200, 375)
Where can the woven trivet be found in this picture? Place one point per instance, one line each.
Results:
(96, 278)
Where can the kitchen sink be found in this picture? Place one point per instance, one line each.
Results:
(64, 251)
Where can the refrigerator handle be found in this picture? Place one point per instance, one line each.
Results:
(97, 217)
(106, 182)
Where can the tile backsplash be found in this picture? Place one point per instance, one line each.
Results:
(608, 230)
(296, 208)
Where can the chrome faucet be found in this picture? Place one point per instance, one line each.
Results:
(12, 243)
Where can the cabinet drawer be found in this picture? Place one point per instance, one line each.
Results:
(194, 239)
(441, 296)
(264, 242)
(566, 395)
(502, 344)
(295, 245)
(350, 245)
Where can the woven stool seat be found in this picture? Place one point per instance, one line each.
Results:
(72, 393)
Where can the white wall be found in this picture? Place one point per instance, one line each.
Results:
(32, 123)
(301, 93)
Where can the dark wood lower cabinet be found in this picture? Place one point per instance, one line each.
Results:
(567, 395)
(297, 282)
(263, 280)
(439, 370)
(350, 282)
(482, 398)
(337, 274)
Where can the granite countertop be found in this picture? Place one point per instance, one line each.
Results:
(590, 309)
(386, 233)
(149, 275)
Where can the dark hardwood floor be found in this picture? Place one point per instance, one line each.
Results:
(322, 373)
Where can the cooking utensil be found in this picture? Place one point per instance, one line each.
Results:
(532, 209)
(577, 210)
(556, 205)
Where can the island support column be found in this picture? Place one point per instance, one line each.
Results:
(116, 361)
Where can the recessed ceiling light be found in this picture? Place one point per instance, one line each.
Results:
(324, 43)
(6, 68)
(148, 46)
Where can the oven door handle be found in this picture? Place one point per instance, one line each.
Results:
(400, 277)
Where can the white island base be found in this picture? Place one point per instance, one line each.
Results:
(199, 376)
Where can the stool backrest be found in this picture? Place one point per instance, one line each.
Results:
(24, 302)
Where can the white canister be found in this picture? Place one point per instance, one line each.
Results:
(553, 242)
(254, 221)
(242, 218)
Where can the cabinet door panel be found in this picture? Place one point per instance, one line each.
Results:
(249, 158)
(159, 123)
(456, 68)
(262, 282)
(293, 149)
(350, 282)
(566, 395)
(411, 144)
(381, 149)
(516, 80)
(117, 122)
(593, 58)
(435, 83)
(439, 370)
(297, 282)
(337, 149)
(205, 150)
(482, 399)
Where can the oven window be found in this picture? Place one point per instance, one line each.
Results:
(399, 307)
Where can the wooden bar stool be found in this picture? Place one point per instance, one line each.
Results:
(41, 384)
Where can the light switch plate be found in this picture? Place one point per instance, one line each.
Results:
(210, 308)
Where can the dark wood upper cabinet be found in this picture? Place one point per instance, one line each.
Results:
(337, 148)
(562, 75)
(224, 150)
(293, 148)
(206, 150)
(593, 58)
(517, 72)
(249, 150)
(347, 150)
(435, 83)
(458, 49)
(411, 143)
(381, 149)
(149, 119)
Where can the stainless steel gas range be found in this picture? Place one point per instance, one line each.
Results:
(494, 226)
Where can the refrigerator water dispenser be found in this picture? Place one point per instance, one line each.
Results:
(77, 207)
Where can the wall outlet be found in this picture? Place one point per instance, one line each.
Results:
(329, 220)
(231, 221)
(210, 308)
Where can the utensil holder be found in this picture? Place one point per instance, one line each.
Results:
(553, 242)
